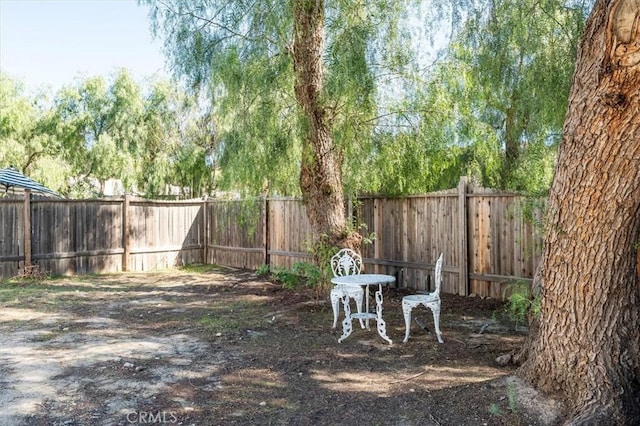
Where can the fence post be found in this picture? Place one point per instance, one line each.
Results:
(27, 229)
(126, 236)
(205, 230)
(265, 232)
(463, 226)
(377, 229)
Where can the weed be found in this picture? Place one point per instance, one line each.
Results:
(495, 410)
(311, 274)
(286, 277)
(45, 337)
(263, 271)
(512, 397)
(521, 303)
(512, 400)
(302, 273)
(234, 318)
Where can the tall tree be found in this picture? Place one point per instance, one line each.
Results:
(25, 137)
(489, 105)
(587, 343)
(514, 62)
(85, 118)
(289, 81)
(321, 168)
(21, 119)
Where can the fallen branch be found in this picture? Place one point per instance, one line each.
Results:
(409, 378)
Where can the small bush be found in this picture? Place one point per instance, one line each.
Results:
(301, 273)
(263, 271)
(286, 277)
(521, 302)
(310, 274)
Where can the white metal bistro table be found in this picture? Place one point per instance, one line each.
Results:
(365, 280)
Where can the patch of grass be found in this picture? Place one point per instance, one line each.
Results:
(286, 277)
(199, 268)
(11, 291)
(51, 291)
(45, 337)
(216, 322)
(226, 324)
(237, 317)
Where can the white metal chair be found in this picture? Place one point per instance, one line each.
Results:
(430, 300)
(346, 262)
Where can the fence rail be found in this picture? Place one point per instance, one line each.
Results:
(489, 238)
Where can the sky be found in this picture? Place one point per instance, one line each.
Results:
(52, 43)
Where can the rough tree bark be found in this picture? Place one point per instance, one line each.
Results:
(321, 168)
(586, 346)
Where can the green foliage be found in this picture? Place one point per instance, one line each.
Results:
(310, 274)
(240, 54)
(516, 61)
(322, 252)
(534, 208)
(512, 398)
(199, 268)
(24, 134)
(495, 410)
(237, 53)
(521, 303)
(489, 105)
(96, 130)
(301, 273)
(286, 277)
(263, 270)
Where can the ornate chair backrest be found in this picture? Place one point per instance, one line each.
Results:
(438, 274)
(346, 262)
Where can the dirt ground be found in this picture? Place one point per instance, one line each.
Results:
(207, 346)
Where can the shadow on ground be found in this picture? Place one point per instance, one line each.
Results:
(226, 347)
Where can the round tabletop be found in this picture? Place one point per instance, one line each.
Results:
(364, 279)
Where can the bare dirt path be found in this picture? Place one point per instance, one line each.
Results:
(207, 346)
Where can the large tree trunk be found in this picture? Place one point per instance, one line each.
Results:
(321, 168)
(586, 346)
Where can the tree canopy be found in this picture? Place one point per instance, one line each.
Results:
(149, 139)
(491, 105)
(407, 116)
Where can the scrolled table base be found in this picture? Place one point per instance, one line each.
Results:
(347, 323)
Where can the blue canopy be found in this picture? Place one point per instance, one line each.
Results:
(11, 178)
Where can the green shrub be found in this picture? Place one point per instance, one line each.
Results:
(301, 273)
(286, 277)
(310, 274)
(521, 302)
(263, 270)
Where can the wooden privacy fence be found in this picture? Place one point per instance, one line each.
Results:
(488, 238)
(98, 236)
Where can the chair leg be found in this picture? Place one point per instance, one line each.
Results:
(359, 298)
(335, 304)
(406, 310)
(436, 322)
